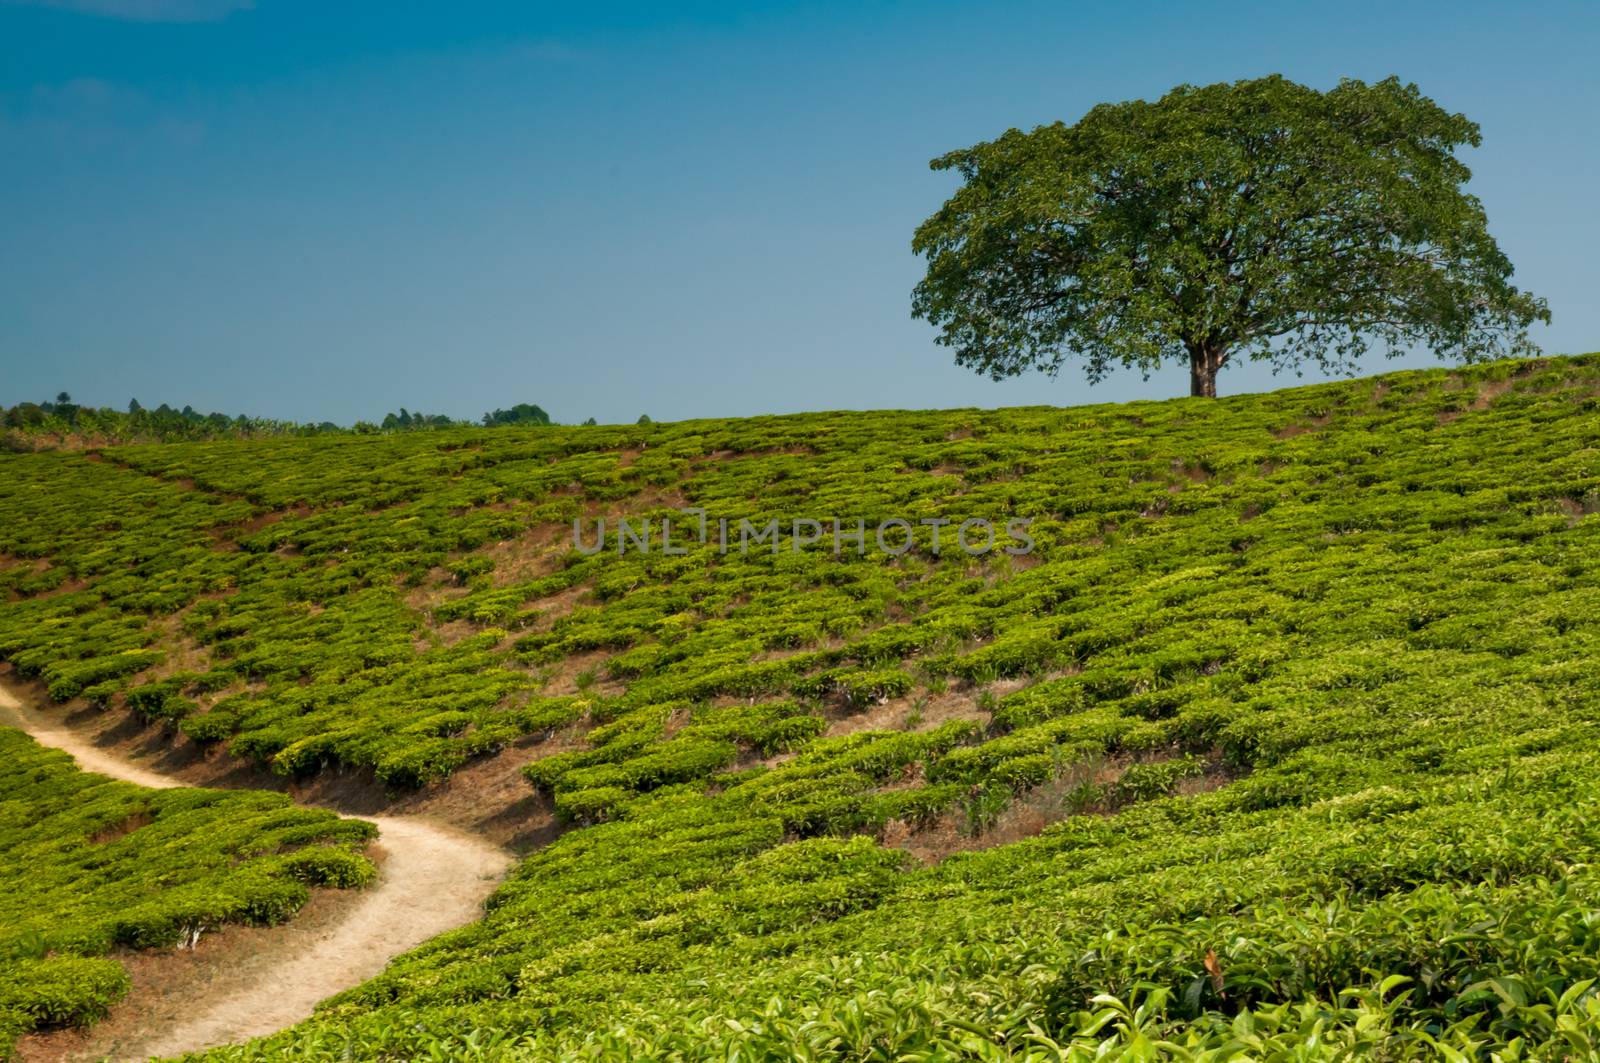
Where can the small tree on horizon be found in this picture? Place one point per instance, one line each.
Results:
(1259, 219)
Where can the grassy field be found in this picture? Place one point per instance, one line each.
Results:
(1280, 743)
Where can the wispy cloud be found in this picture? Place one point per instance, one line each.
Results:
(146, 10)
(89, 113)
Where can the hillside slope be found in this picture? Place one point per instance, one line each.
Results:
(1284, 729)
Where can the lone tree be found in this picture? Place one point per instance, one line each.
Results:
(1260, 219)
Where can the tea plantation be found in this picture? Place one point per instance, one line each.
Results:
(93, 865)
(1280, 743)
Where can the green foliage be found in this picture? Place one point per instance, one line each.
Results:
(163, 700)
(59, 991)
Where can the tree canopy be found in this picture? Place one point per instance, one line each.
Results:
(1259, 219)
(521, 413)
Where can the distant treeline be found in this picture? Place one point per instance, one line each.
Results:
(34, 425)
(522, 413)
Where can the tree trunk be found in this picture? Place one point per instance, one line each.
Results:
(1204, 361)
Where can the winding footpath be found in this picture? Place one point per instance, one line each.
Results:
(433, 880)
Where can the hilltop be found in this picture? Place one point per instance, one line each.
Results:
(1279, 737)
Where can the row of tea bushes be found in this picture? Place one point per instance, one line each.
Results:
(288, 561)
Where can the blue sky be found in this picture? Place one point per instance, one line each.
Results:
(329, 210)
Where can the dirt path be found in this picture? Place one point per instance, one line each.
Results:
(433, 880)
